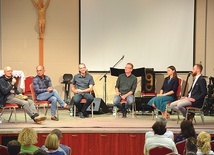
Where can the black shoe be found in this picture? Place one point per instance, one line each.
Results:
(86, 114)
(124, 114)
(81, 115)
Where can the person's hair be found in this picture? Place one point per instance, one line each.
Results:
(159, 128)
(130, 65)
(187, 129)
(40, 152)
(13, 147)
(57, 132)
(199, 66)
(27, 136)
(162, 120)
(173, 69)
(52, 142)
(203, 141)
(191, 145)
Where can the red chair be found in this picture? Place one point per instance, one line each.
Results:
(3, 150)
(43, 103)
(212, 144)
(181, 146)
(160, 150)
(28, 81)
(12, 107)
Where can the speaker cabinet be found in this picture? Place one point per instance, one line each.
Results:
(99, 106)
(148, 81)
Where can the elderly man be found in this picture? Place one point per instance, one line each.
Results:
(8, 90)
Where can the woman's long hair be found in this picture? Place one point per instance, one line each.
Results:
(173, 69)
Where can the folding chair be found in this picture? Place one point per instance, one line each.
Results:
(160, 150)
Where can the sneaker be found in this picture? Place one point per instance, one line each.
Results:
(40, 118)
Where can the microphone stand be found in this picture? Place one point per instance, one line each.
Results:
(186, 84)
(105, 76)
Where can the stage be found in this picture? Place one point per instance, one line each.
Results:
(100, 123)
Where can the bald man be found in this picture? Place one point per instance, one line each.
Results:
(8, 90)
(44, 91)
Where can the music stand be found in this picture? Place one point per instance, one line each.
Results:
(139, 72)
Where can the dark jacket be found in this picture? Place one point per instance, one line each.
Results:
(199, 92)
(5, 88)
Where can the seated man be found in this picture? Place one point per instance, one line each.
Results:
(125, 88)
(168, 134)
(8, 91)
(196, 93)
(159, 139)
(44, 91)
(82, 85)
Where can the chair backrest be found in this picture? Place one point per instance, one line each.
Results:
(181, 146)
(160, 150)
(3, 150)
(28, 81)
(67, 77)
(33, 93)
(212, 144)
(180, 82)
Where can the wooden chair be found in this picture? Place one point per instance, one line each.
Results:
(3, 150)
(160, 150)
(195, 110)
(12, 107)
(28, 81)
(44, 103)
(181, 146)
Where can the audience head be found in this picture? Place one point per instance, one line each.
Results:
(162, 120)
(40, 152)
(197, 69)
(187, 129)
(191, 146)
(52, 142)
(171, 70)
(57, 132)
(27, 137)
(40, 70)
(13, 147)
(203, 142)
(159, 128)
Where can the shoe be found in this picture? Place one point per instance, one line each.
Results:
(124, 114)
(54, 118)
(86, 114)
(39, 119)
(81, 115)
(66, 107)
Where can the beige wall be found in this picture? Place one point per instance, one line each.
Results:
(20, 44)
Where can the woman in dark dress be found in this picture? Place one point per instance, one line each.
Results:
(167, 92)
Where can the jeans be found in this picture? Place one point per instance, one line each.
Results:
(78, 97)
(53, 97)
(129, 99)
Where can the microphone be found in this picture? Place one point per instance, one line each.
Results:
(123, 57)
(189, 74)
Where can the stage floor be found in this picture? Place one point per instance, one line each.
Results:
(100, 123)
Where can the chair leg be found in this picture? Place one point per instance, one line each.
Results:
(75, 109)
(92, 110)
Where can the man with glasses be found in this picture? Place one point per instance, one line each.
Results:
(125, 88)
(44, 91)
(82, 85)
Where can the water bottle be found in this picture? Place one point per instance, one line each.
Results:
(114, 111)
(71, 112)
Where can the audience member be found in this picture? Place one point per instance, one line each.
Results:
(191, 146)
(125, 88)
(52, 144)
(82, 85)
(159, 139)
(40, 152)
(168, 134)
(8, 92)
(195, 96)
(13, 147)
(167, 92)
(44, 91)
(28, 138)
(63, 148)
(187, 131)
(203, 142)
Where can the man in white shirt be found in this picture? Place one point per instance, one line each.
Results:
(159, 139)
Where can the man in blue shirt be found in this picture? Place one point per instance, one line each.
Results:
(82, 85)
